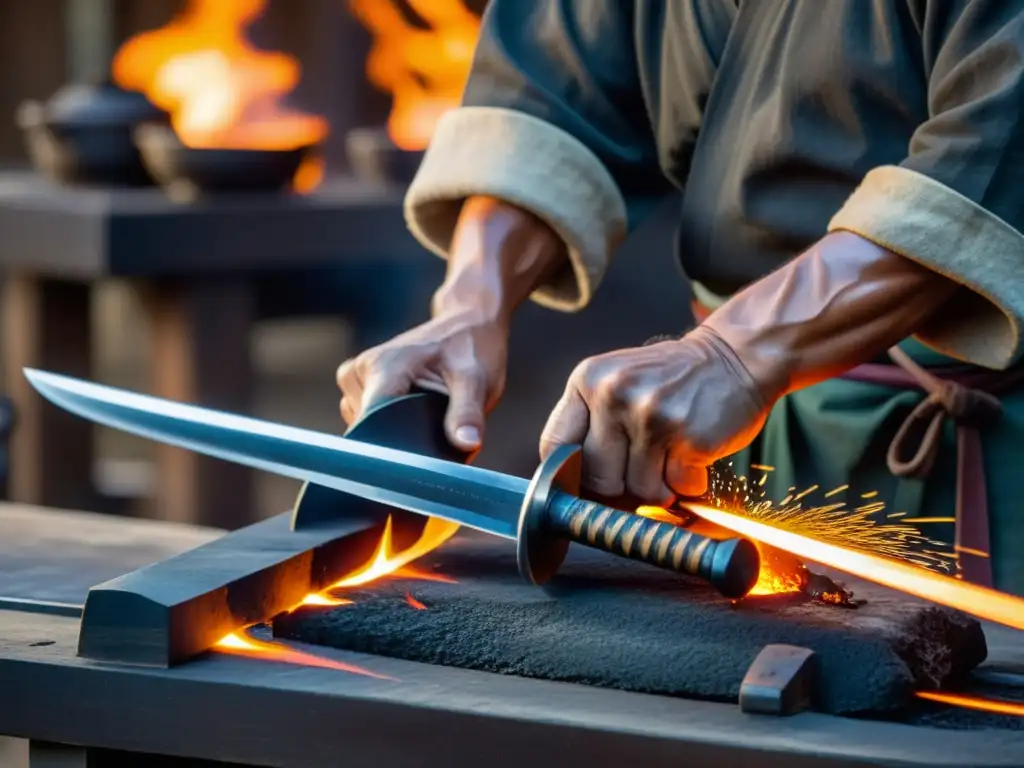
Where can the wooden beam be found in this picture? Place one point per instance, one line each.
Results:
(47, 325)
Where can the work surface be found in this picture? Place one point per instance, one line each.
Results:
(257, 712)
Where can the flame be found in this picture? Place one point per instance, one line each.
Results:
(310, 175)
(321, 599)
(242, 645)
(424, 70)
(780, 572)
(974, 702)
(414, 602)
(220, 90)
(386, 562)
(945, 590)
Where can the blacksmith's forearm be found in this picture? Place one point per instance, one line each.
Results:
(839, 304)
(500, 255)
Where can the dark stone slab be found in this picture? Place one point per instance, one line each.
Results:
(612, 623)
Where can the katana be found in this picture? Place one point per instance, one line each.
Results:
(542, 515)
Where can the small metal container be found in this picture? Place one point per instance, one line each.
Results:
(374, 157)
(83, 134)
(187, 173)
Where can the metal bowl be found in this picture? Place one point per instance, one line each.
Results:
(187, 173)
(374, 157)
(83, 135)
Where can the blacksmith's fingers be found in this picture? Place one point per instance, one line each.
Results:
(467, 392)
(686, 475)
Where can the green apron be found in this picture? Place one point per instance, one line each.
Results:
(838, 432)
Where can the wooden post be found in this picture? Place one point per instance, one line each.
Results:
(201, 354)
(46, 324)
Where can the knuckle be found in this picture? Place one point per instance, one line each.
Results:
(648, 409)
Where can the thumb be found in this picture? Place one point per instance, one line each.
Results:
(464, 422)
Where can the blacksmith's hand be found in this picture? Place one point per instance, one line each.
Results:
(461, 353)
(651, 419)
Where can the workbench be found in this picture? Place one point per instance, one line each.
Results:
(245, 711)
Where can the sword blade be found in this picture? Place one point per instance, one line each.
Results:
(477, 498)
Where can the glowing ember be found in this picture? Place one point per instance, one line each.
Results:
(324, 600)
(386, 562)
(973, 702)
(414, 602)
(220, 90)
(411, 572)
(906, 577)
(780, 573)
(424, 69)
(242, 645)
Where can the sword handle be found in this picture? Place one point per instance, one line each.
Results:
(553, 515)
(730, 565)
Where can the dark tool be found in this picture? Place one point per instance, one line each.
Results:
(542, 515)
(780, 681)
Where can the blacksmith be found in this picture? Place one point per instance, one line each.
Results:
(853, 201)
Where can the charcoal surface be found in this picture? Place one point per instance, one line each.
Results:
(609, 622)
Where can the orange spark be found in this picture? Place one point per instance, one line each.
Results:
(414, 602)
(978, 601)
(242, 645)
(974, 702)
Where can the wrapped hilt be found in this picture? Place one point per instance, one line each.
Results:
(553, 515)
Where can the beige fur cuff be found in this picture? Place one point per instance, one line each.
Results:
(917, 217)
(522, 160)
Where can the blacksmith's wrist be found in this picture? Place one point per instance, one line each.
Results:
(760, 374)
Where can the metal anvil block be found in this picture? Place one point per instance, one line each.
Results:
(168, 612)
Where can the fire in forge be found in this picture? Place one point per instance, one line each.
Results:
(407, 586)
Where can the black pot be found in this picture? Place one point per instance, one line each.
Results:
(374, 157)
(83, 134)
(187, 173)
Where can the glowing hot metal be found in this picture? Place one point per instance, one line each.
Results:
(978, 601)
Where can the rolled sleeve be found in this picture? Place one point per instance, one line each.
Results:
(956, 203)
(553, 121)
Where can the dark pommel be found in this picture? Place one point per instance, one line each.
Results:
(553, 515)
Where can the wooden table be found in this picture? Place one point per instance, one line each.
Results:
(196, 265)
(244, 711)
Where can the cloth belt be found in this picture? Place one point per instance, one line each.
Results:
(967, 396)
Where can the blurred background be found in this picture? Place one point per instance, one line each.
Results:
(203, 200)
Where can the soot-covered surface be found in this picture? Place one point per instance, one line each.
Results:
(610, 622)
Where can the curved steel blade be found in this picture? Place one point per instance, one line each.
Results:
(478, 498)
